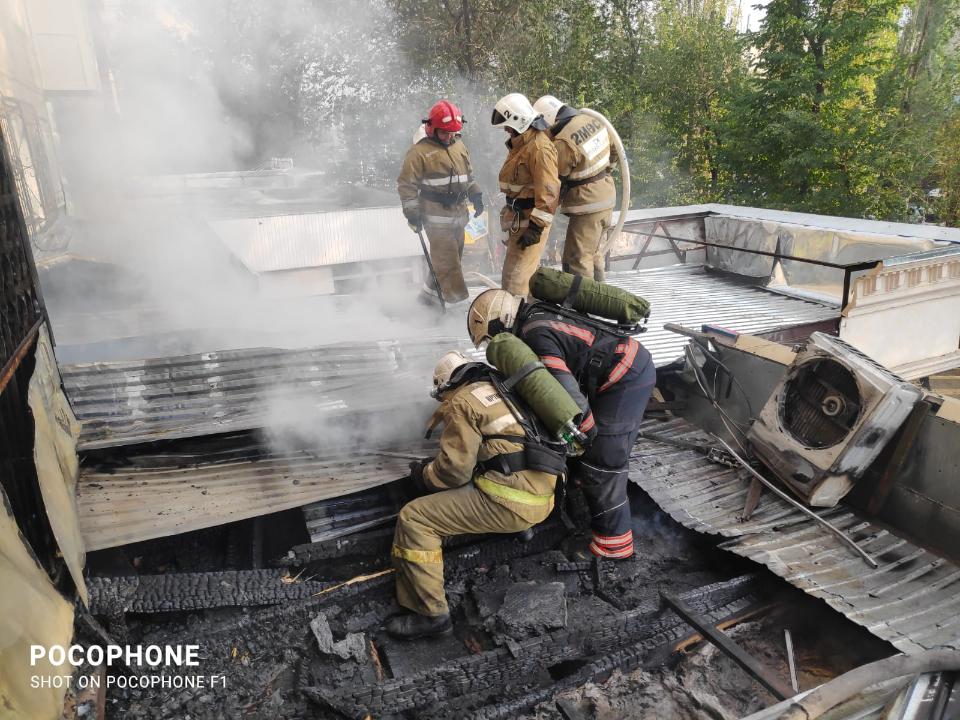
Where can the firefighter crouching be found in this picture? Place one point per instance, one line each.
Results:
(529, 180)
(435, 182)
(478, 483)
(611, 379)
(587, 191)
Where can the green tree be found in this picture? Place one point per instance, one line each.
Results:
(694, 67)
(813, 129)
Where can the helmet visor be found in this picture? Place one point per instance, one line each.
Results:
(497, 119)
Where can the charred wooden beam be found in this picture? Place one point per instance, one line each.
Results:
(501, 668)
(195, 591)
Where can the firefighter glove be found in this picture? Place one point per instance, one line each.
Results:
(477, 201)
(416, 475)
(531, 236)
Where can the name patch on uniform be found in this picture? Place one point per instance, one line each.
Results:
(596, 145)
(486, 395)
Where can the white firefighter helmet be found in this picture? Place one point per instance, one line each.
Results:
(513, 111)
(548, 106)
(444, 370)
(493, 312)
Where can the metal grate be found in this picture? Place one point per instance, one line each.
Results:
(821, 403)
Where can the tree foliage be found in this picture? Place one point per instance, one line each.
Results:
(836, 106)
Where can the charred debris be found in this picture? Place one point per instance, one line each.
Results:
(793, 499)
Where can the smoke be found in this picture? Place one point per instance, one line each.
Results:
(197, 95)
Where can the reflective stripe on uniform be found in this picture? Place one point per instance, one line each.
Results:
(420, 557)
(446, 180)
(554, 363)
(443, 220)
(590, 171)
(618, 553)
(618, 546)
(411, 203)
(620, 369)
(567, 329)
(498, 425)
(589, 207)
(512, 494)
(510, 187)
(588, 422)
(544, 217)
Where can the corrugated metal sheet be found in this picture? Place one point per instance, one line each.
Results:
(122, 403)
(286, 242)
(689, 295)
(177, 494)
(910, 600)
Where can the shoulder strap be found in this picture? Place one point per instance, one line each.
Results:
(571, 297)
(520, 374)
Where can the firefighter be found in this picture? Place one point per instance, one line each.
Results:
(479, 482)
(610, 377)
(529, 180)
(587, 192)
(435, 182)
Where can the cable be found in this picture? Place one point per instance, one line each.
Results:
(711, 398)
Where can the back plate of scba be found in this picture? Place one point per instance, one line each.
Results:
(829, 418)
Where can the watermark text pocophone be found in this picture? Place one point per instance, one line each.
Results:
(135, 657)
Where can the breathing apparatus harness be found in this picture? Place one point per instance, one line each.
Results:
(540, 452)
(608, 333)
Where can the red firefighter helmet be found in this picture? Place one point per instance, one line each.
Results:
(444, 115)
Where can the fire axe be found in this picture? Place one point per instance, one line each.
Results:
(433, 273)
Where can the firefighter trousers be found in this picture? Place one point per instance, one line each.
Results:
(581, 248)
(520, 264)
(446, 251)
(421, 526)
(603, 469)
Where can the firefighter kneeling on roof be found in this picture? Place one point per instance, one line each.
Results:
(481, 481)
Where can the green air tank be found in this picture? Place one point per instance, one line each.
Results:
(539, 389)
(595, 298)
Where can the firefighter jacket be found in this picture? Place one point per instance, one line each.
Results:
(435, 182)
(476, 421)
(529, 176)
(583, 164)
(586, 360)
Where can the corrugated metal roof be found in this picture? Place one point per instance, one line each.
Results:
(689, 295)
(910, 600)
(177, 494)
(286, 242)
(121, 403)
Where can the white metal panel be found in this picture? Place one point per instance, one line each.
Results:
(286, 242)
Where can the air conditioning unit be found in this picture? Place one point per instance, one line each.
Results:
(829, 418)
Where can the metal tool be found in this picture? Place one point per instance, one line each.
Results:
(800, 506)
(790, 661)
(401, 456)
(736, 653)
(433, 273)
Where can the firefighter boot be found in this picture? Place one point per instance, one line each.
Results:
(414, 626)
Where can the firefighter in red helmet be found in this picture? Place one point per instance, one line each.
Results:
(435, 182)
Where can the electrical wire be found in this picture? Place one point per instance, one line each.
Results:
(711, 398)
